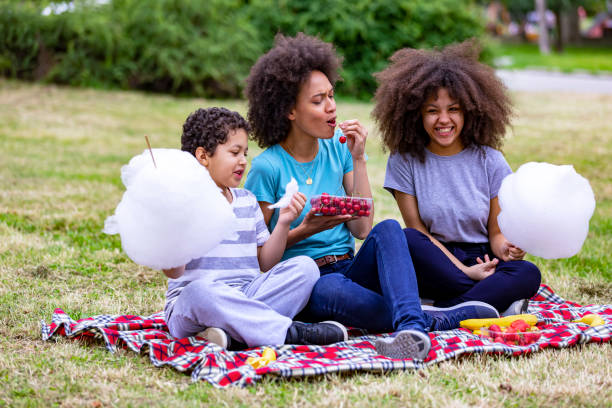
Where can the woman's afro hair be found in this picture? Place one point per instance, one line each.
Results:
(210, 127)
(275, 80)
(414, 75)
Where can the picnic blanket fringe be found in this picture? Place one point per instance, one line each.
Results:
(221, 368)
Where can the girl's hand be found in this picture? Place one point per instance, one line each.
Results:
(356, 135)
(288, 214)
(511, 252)
(314, 224)
(483, 269)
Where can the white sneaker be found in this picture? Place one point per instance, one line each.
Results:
(215, 335)
(518, 307)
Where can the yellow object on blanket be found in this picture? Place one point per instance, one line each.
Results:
(267, 356)
(591, 319)
(474, 324)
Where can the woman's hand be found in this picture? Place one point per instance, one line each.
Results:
(483, 269)
(288, 214)
(356, 135)
(314, 224)
(510, 252)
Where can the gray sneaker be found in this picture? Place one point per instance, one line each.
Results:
(448, 318)
(518, 307)
(404, 344)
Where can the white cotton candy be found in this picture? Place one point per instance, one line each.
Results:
(545, 209)
(290, 189)
(169, 214)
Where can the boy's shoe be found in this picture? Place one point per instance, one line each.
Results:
(217, 336)
(221, 338)
(517, 307)
(327, 332)
(404, 344)
(448, 318)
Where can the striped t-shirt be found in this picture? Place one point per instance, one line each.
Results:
(233, 262)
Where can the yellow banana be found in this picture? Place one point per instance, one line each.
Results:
(474, 324)
(591, 319)
(267, 356)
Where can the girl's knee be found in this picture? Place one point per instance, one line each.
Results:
(531, 274)
(413, 235)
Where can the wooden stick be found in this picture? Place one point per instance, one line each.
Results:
(150, 150)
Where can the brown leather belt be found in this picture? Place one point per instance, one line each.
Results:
(330, 259)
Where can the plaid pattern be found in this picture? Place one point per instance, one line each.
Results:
(222, 368)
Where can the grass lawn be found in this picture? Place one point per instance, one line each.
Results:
(61, 150)
(592, 59)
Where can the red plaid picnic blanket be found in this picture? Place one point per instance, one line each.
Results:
(223, 368)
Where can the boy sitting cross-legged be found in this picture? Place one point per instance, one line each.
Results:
(223, 295)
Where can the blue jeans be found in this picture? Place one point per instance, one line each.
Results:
(376, 290)
(439, 279)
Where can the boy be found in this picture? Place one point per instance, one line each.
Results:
(223, 295)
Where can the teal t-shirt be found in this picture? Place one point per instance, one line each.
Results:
(272, 170)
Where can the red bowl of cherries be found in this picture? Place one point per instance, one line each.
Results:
(326, 204)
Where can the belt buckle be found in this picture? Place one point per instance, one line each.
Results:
(335, 259)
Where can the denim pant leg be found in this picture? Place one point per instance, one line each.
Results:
(377, 290)
(336, 297)
(384, 264)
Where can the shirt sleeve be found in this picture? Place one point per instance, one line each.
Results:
(262, 180)
(399, 175)
(261, 230)
(498, 168)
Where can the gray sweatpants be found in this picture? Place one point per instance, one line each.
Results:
(258, 313)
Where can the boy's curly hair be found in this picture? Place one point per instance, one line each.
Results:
(209, 128)
(275, 80)
(414, 75)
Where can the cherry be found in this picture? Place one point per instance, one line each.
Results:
(325, 210)
(356, 207)
(341, 204)
(367, 213)
(342, 139)
(343, 211)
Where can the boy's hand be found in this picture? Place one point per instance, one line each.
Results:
(356, 135)
(288, 214)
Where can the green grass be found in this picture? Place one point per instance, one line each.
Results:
(61, 150)
(592, 59)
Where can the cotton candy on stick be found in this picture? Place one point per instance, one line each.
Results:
(170, 213)
(545, 209)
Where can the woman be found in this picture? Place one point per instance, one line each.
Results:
(292, 112)
(443, 116)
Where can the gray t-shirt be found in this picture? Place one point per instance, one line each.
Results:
(453, 192)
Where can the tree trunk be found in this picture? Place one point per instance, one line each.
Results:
(559, 31)
(543, 32)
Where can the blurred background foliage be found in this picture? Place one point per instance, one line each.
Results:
(206, 47)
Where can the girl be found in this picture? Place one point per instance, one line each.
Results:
(293, 114)
(443, 115)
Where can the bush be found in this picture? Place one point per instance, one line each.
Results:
(181, 46)
(206, 47)
(367, 32)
